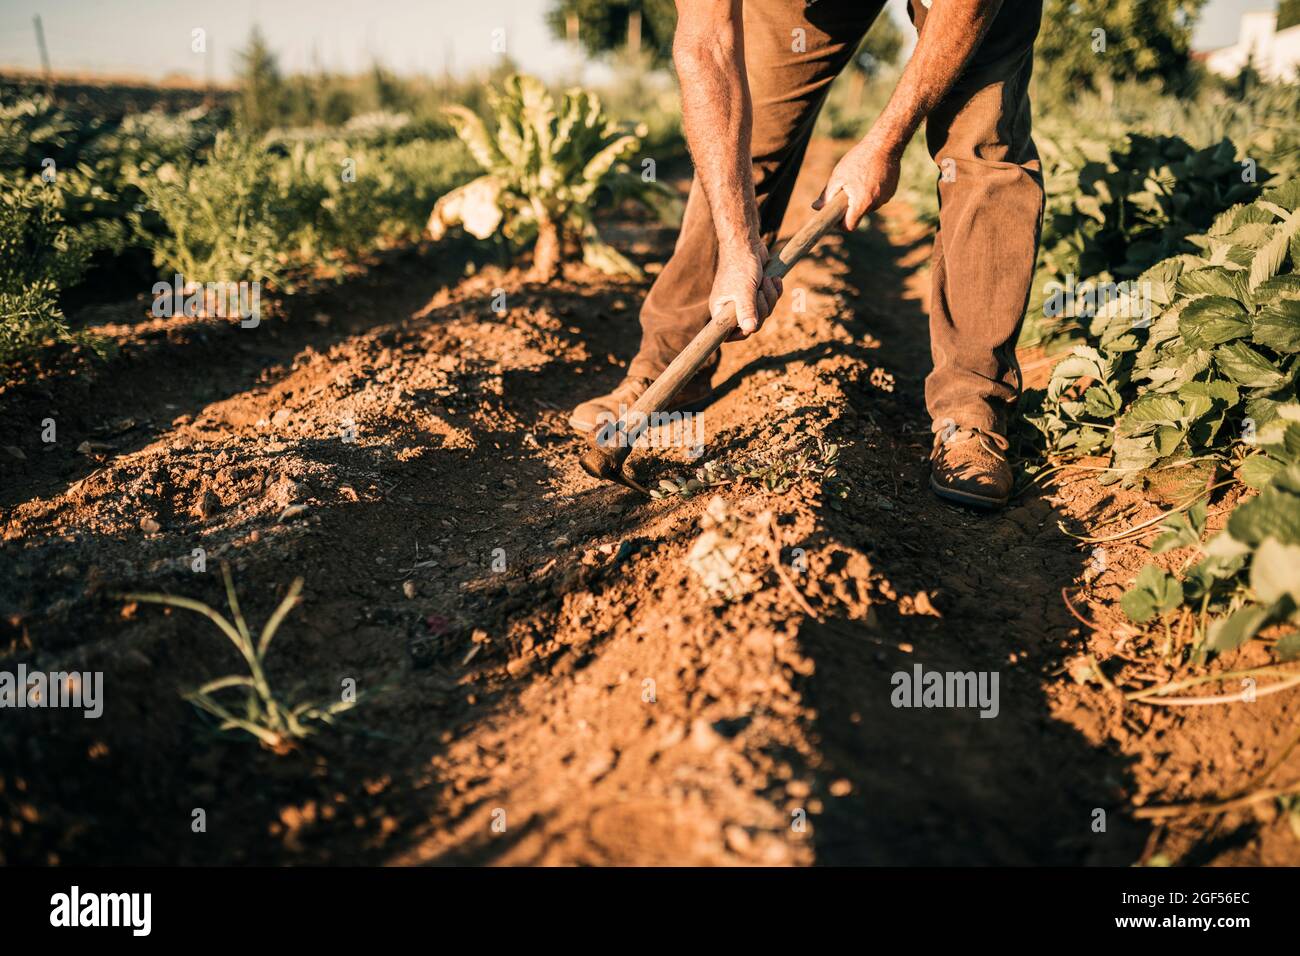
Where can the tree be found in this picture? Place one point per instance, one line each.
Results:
(880, 47)
(606, 25)
(1288, 14)
(261, 87)
(878, 51)
(1092, 44)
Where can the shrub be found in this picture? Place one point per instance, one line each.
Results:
(39, 255)
(225, 217)
(254, 213)
(344, 198)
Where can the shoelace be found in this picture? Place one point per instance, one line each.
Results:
(993, 443)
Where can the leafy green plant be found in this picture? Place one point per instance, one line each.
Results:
(39, 255)
(94, 163)
(544, 166)
(1137, 205)
(1200, 396)
(1115, 212)
(1245, 578)
(226, 218)
(261, 714)
(1170, 392)
(341, 199)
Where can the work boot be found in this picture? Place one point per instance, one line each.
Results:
(695, 394)
(969, 466)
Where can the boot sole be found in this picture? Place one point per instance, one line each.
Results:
(696, 406)
(970, 499)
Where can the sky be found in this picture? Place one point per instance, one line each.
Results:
(154, 38)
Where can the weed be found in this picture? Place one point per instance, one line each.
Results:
(776, 472)
(275, 723)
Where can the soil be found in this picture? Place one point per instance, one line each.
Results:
(543, 677)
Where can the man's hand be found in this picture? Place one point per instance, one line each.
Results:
(740, 280)
(868, 173)
(949, 37)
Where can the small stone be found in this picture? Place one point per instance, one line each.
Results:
(208, 505)
(924, 605)
(15, 452)
(408, 588)
(738, 840)
(149, 526)
(704, 737)
(291, 512)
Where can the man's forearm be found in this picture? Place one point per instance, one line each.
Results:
(709, 53)
(952, 32)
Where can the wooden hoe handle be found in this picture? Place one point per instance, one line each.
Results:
(611, 444)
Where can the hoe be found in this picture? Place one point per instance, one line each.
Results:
(611, 444)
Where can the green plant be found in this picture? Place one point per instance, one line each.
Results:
(261, 86)
(226, 217)
(342, 198)
(1095, 44)
(263, 715)
(1114, 212)
(39, 255)
(544, 165)
(775, 472)
(1169, 384)
(1246, 578)
(1199, 396)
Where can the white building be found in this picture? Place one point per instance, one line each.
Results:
(1274, 53)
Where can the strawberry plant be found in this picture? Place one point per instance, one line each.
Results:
(1246, 578)
(1171, 391)
(543, 167)
(1197, 395)
(1115, 212)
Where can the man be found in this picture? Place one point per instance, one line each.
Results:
(754, 74)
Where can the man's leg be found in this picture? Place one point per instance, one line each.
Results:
(792, 55)
(990, 214)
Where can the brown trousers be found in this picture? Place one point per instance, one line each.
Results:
(990, 195)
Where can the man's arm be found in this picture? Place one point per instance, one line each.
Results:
(869, 172)
(709, 52)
